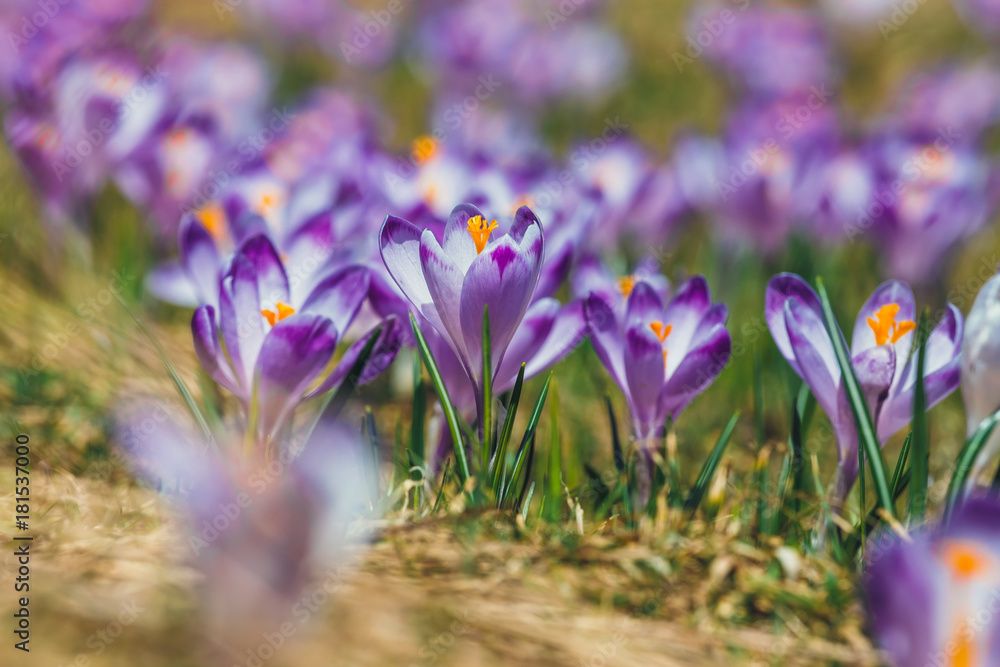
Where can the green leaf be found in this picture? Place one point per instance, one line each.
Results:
(500, 460)
(554, 490)
(616, 444)
(182, 389)
(897, 473)
(711, 463)
(866, 429)
(529, 436)
(921, 455)
(451, 416)
(419, 420)
(967, 458)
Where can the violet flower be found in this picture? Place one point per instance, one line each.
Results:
(273, 348)
(881, 349)
(450, 285)
(933, 598)
(257, 531)
(981, 369)
(661, 354)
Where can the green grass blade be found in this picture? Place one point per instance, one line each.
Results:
(897, 473)
(529, 435)
(966, 459)
(797, 445)
(451, 416)
(616, 444)
(711, 463)
(555, 477)
(418, 423)
(500, 460)
(921, 456)
(182, 389)
(527, 502)
(863, 420)
(774, 518)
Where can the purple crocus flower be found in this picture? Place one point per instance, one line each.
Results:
(273, 348)
(257, 530)
(662, 354)
(451, 284)
(930, 190)
(981, 369)
(934, 597)
(881, 356)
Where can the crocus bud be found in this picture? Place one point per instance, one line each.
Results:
(981, 368)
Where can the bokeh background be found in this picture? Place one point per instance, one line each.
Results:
(885, 65)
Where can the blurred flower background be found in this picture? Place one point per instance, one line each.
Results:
(171, 170)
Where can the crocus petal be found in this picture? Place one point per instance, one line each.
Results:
(339, 296)
(386, 348)
(942, 374)
(643, 306)
(458, 243)
(900, 592)
(874, 369)
(524, 218)
(567, 332)
(644, 373)
(780, 289)
(807, 342)
(294, 353)
(445, 284)
(201, 260)
(502, 277)
(697, 370)
(399, 244)
(891, 292)
(272, 282)
(529, 337)
(210, 354)
(240, 318)
(170, 282)
(686, 310)
(606, 337)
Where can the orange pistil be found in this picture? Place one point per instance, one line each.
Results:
(662, 332)
(283, 312)
(964, 560)
(885, 326)
(424, 149)
(480, 231)
(214, 219)
(626, 285)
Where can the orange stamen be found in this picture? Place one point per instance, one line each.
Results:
(424, 149)
(662, 332)
(625, 285)
(480, 231)
(214, 218)
(283, 312)
(964, 560)
(885, 326)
